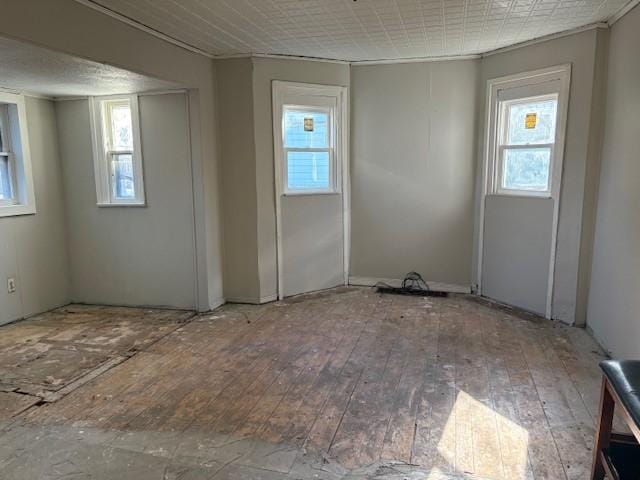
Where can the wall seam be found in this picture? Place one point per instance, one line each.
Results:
(587, 234)
(65, 213)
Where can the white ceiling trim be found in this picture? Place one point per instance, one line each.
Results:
(143, 27)
(546, 38)
(623, 11)
(416, 60)
(26, 93)
(280, 57)
(169, 91)
(297, 57)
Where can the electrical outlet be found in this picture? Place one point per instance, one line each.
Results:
(11, 285)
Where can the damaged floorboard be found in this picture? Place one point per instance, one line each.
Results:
(50, 355)
(12, 404)
(446, 385)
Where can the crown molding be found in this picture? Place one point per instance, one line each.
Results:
(144, 93)
(299, 57)
(232, 56)
(392, 61)
(277, 56)
(141, 26)
(622, 12)
(26, 93)
(546, 38)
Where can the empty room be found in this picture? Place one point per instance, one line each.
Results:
(319, 239)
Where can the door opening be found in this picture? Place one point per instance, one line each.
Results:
(312, 202)
(525, 133)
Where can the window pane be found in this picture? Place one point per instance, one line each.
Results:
(527, 169)
(308, 170)
(5, 180)
(122, 174)
(121, 129)
(306, 129)
(532, 122)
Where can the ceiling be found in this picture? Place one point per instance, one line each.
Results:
(32, 69)
(357, 30)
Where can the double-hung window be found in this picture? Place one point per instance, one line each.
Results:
(117, 151)
(526, 145)
(309, 153)
(16, 179)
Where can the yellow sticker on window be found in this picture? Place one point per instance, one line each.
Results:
(308, 124)
(531, 120)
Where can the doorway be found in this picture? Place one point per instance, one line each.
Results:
(312, 202)
(521, 190)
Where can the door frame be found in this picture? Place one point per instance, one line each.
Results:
(281, 89)
(561, 73)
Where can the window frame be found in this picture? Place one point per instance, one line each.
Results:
(16, 137)
(332, 188)
(103, 152)
(537, 81)
(502, 145)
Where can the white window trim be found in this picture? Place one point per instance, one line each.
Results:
(502, 146)
(333, 187)
(101, 153)
(23, 191)
(563, 74)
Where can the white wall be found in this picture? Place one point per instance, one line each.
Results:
(73, 28)
(516, 249)
(246, 132)
(581, 159)
(132, 255)
(239, 187)
(614, 303)
(413, 134)
(33, 248)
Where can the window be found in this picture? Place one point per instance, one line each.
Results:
(117, 151)
(525, 133)
(16, 182)
(308, 149)
(7, 170)
(526, 143)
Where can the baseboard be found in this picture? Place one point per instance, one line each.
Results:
(396, 282)
(253, 300)
(598, 341)
(131, 305)
(218, 302)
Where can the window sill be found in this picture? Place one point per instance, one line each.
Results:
(520, 194)
(309, 192)
(128, 204)
(16, 210)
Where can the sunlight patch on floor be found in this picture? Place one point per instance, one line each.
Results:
(477, 440)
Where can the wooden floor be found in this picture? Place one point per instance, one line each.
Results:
(449, 384)
(55, 352)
